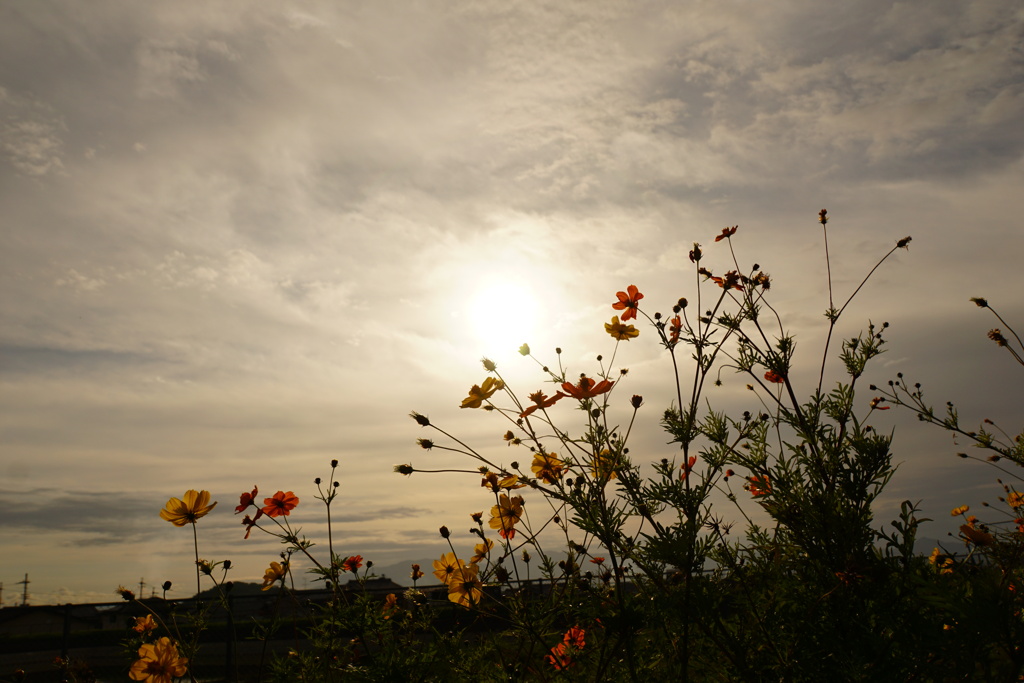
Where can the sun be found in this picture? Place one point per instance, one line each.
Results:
(502, 315)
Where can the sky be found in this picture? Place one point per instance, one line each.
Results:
(241, 239)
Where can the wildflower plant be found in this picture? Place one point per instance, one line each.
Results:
(748, 550)
(810, 470)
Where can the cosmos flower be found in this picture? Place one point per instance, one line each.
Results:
(586, 388)
(727, 233)
(158, 662)
(481, 550)
(274, 573)
(479, 393)
(246, 499)
(507, 513)
(445, 567)
(628, 302)
(620, 331)
(547, 467)
(464, 588)
(144, 624)
(540, 401)
(281, 504)
(352, 564)
(759, 485)
(187, 511)
(603, 466)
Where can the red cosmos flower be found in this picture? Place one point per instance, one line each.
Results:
(574, 637)
(628, 302)
(507, 534)
(875, 403)
(561, 654)
(774, 377)
(675, 327)
(352, 564)
(541, 401)
(726, 233)
(281, 504)
(246, 499)
(759, 486)
(559, 657)
(587, 388)
(250, 522)
(688, 466)
(597, 560)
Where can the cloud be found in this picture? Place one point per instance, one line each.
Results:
(31, 135)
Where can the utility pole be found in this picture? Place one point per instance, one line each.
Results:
(24, 593)
(1, 593)
(142, 584)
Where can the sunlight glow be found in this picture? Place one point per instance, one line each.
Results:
(502, 316)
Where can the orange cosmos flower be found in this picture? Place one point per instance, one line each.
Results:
(352, 564)
(759, 485)
(539, 401)
(246, 499)
(574, 637)
(561, 656)
(158, 663)
(187, 511)
(587, 388)
(281, 504)
(675, 328)
(250, 522)
(390, 605)
(688, 466)
(416, 574)
(726, 233)
(628, 302)
(976, 536)
(774, 377)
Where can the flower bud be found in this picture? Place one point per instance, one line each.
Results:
(444, 532)
(636, 401)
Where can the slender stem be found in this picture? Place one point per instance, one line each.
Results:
(195, 544)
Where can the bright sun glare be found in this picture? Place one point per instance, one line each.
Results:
(502, 316)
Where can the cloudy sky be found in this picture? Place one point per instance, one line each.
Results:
(243, 238)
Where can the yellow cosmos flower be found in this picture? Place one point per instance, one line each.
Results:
(547, 467)
(144, 624)
(465, 588)
(959, 510)
(446, 567)
(603, 466)
(1015, 499)
(481, 550)
(621, 331)
(480, 393)
(187, 511)
(275, 572)
(158, 663)
(507, 513)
